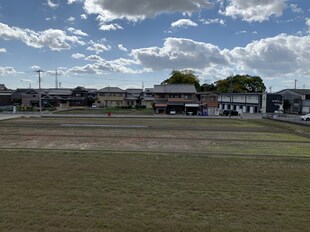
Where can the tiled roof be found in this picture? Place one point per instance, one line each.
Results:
(136, 91)
(175, 88)
(59, 92)
(298, 91)
(111, 90)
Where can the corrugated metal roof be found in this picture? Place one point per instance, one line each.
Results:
(175, 88)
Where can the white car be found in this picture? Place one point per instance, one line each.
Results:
(305, 117)
(173, 112)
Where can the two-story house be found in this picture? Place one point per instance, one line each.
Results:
(110, 97)
(242, 102)
(179, 98)
(208, 102)
(147, 98)
(133, 97)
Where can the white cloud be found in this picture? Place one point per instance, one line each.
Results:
(98, 47)
(71, 19)
(74, 1)
(184, 23)
(77, 56)
(308, 23)
(7, 71)
(51, 4)
(54, 39)
(122, 48)
(93, 58)
(135, 10)
(35, 67)
(2, 50)
(179, 53)
(77, 31)
(87, 69)
(106, 66)
(295, 8)
(254, 10)
(26, 80)
(279, 55)
(241, 32)
(213, 21)
(83, 16)
(51, 19)
(110, 27)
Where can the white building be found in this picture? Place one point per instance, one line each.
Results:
(242, 102)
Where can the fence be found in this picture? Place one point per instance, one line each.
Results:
(286, 118)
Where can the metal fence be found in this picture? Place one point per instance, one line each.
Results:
(287, 118)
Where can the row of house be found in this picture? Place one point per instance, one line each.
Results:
(177, 98)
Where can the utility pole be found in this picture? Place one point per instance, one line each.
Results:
(40, 103)
(230, 91)
(295, 83)
(56, 79)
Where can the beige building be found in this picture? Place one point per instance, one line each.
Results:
(110, 97)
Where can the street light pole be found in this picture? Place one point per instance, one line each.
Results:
(230, 90)
(40, 103)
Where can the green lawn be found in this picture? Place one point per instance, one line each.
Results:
(174, 175)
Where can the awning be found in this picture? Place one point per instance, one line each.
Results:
(175, 103)
(160, 105)
(192, 105)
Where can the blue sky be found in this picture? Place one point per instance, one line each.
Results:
(130, 43)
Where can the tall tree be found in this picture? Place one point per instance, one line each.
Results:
(183, 77)
(207, 88)
(241, 84)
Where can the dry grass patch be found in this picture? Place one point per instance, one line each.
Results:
(87, 191)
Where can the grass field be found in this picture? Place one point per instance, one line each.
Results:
(70, 174)
(104, 111)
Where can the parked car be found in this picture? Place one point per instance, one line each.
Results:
(173, 112)
(305, 117)
(233, 113)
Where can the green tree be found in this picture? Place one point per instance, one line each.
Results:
(183, 77)
(241, 84)
(207, 88)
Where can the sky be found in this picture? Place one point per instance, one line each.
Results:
(137, 43)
